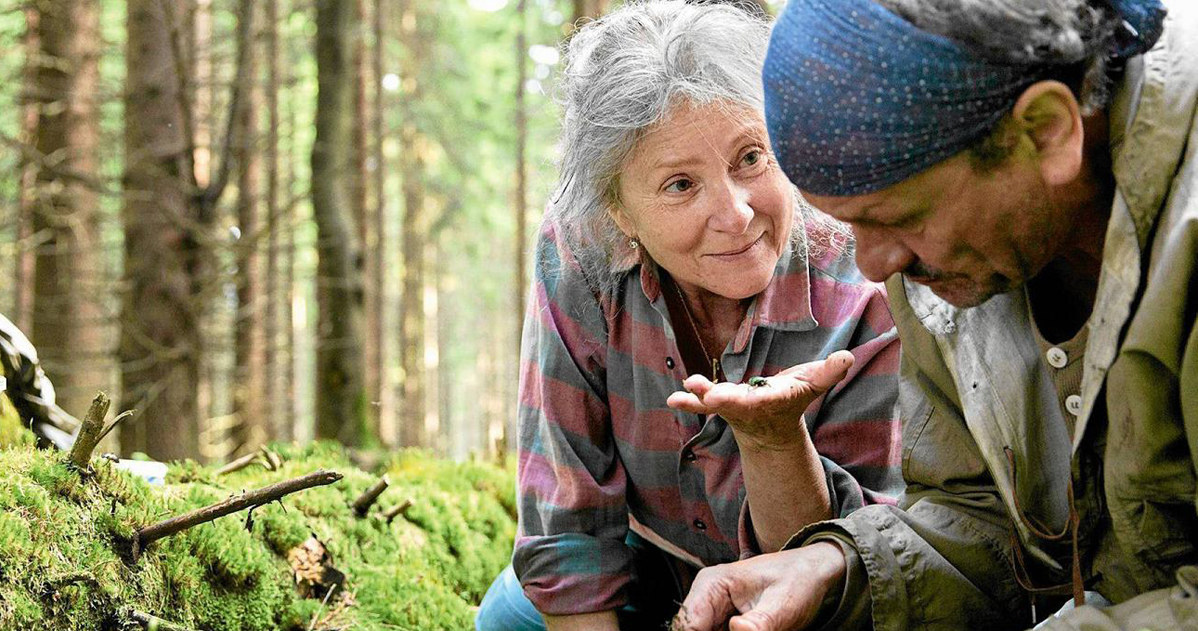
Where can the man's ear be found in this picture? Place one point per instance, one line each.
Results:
(1049, 114)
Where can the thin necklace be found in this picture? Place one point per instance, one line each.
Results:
(715, 361)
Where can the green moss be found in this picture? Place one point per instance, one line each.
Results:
(60, 542)
(12, 432)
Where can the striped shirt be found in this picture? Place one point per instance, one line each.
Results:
(600, 451)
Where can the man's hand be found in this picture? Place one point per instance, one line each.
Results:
(772, 592)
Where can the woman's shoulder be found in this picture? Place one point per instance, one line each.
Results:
(573, 269)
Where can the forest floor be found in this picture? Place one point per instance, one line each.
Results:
(65, 564)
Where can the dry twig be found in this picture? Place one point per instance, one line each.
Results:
(367, 499)
(90, 433)
(241, 501)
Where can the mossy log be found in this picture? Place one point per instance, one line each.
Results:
(60, 570)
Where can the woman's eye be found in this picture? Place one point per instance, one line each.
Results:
(679, 186)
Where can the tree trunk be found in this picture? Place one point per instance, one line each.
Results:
(341, 396)
(161, 347)
(23, 263)
(273, 356)
(412, 306)
(249, 387)
(379, 267)
(588, 10)
(360, 187)
(68, 315)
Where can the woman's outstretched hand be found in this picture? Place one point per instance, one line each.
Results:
(765, 415)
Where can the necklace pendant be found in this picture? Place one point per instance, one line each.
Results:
(715, 370)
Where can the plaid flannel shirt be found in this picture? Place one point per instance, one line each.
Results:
(600, 451)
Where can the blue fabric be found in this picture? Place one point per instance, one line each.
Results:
(656, 589)
(506, 608)
(857, 98)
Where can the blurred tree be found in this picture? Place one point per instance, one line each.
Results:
(161, 346)
(22, 311)
(68, 288)
(341, 398)
(249, 387)
(412, 170)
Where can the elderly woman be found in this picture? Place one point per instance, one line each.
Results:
(675, 246)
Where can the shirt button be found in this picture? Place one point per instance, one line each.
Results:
(670, 363)
(699, 524)
(1057, 357)
(689, 456)
(1073, 403)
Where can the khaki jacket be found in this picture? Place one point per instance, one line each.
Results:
(984, 436)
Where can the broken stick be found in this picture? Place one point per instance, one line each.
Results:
(241, 501)
(366, 500)
(90, 432)
(397, 510)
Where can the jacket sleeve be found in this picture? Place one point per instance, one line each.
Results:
(942, 559)
(570, 553)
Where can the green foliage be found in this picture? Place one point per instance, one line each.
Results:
(61, 537)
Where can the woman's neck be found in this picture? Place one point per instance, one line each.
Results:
(716, 318)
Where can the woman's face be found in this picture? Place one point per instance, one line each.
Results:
(703, 195)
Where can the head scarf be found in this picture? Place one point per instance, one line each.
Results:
(857, 98)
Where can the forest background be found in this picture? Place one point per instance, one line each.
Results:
(279, 220)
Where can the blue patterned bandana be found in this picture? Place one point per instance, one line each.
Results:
(857, 98)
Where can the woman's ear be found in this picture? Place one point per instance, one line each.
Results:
(621, 218)
(1050, 116)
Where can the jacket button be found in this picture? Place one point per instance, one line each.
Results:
(700, 524)
(1057, 357)
(670, 363)
(1073, 403)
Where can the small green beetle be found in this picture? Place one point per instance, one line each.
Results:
(757, 382)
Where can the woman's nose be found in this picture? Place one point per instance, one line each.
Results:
(731, 209)
(879, 255)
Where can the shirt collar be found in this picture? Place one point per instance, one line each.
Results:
(785, 304)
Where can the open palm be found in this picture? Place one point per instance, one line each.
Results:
(768, 414)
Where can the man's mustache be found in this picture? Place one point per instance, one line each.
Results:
(923, 273)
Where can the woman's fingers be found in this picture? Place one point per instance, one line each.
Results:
(688, 402)
(697, 384)
(822, 374)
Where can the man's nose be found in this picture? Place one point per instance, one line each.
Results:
(880, 256)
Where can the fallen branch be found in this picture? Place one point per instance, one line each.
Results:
(366, 500)
(238, 464)
(241, 501)
(90, 433)
(154, 623)
(269, 460)
(397, 510)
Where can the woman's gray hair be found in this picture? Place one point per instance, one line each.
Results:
(1069, 34)
(623, 73)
